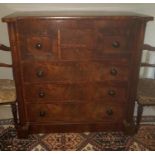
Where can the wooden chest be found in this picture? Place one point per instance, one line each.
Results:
(75, 71)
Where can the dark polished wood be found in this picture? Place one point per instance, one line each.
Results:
(76, 72)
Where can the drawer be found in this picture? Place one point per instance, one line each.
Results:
(75, 71)
(38, 47)
(70, 113)
(75, 92)
(37, 39)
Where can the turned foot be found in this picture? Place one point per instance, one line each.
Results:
(129, 128)
(23, 131)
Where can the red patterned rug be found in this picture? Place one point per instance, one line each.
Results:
(92, 141)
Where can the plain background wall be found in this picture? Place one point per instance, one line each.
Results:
(5, 9)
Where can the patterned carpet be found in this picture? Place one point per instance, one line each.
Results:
(143, 140)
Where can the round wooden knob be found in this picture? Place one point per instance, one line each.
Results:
(40, 73)
(113, 71)
(42, 113)
(111, 92)
(115, 44)
(109, 112)
(38, 46)
(41, 94)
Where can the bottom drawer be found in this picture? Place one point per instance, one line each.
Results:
(80, 112)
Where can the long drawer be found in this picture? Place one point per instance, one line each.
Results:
(75, 71)
(75, 92)
(71, 113)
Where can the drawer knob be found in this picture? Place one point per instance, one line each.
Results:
(40, 73)
(109, 112)
(113, 71)
(115, 44)
(111, 92)
(42, 113)
(41, 94)
(38, 46)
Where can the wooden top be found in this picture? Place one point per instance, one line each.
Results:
(75, 14)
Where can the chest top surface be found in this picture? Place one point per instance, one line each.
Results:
(75, 15)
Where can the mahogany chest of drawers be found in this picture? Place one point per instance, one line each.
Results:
(75, 72)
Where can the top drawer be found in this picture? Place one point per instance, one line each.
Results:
(74, 39)
(37, 39)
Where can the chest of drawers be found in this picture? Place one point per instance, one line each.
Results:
(75, 72)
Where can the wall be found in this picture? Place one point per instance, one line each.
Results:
(6, 9)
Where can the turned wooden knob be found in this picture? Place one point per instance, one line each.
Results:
(38, 46)
(42, 113)
(40, 73)
(115, 44)
(41, 94)
(109, 112)
(111, 92)
(113, 71)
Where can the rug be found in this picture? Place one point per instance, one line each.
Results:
(87, 141)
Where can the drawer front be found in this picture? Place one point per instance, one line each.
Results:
(37, 39)
(38, 47)
(75, 92)
(75, 71)
(70, 113)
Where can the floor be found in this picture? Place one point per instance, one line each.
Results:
(86, 141)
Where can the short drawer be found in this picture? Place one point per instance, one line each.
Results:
(75, 92)
(69, 113)
(38, 47)
(75, 71)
